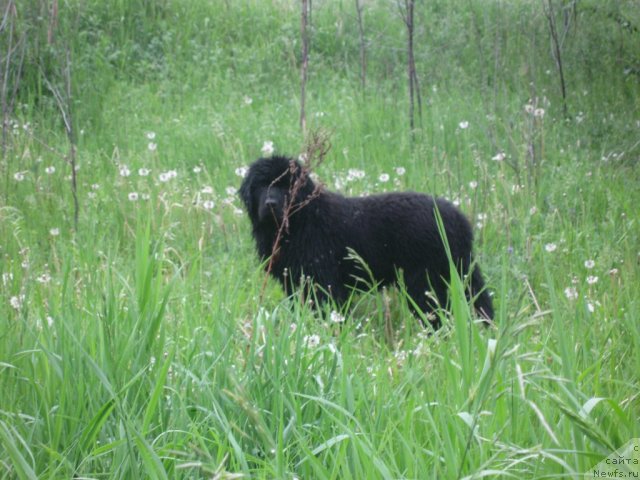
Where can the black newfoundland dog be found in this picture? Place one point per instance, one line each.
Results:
(395, 233)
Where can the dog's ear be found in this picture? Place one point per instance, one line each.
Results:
(299, 173)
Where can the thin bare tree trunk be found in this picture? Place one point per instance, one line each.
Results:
(414, 87)
(64, 101)
(10, 73)
(363, 51)
(557, 52)
(304, 33)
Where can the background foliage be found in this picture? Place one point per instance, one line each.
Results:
(141, 343)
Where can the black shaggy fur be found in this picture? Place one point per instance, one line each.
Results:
(393, 232)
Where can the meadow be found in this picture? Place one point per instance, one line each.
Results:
(143, 340)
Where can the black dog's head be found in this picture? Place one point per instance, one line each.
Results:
(267, 188)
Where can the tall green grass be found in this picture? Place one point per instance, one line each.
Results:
(143, 344)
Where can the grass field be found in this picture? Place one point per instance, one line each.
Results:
(143, 344)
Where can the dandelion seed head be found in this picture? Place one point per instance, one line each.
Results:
(463, 125)
(400, 171)
(267, 148)
(44, 278)
(16, 301)
(152, 146)
(133, 196)
(592, 279)
(151, 135)
(355, 174)
(143, 172)
(311, 341)
(168, 175)
(589, 264)
(336, 317)
(208, 204)
(384, 177)
(571, 293)
(54, 232)
(241, 171)
(550, 247)
(18, 176)
(124, 171)
(50, 170)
